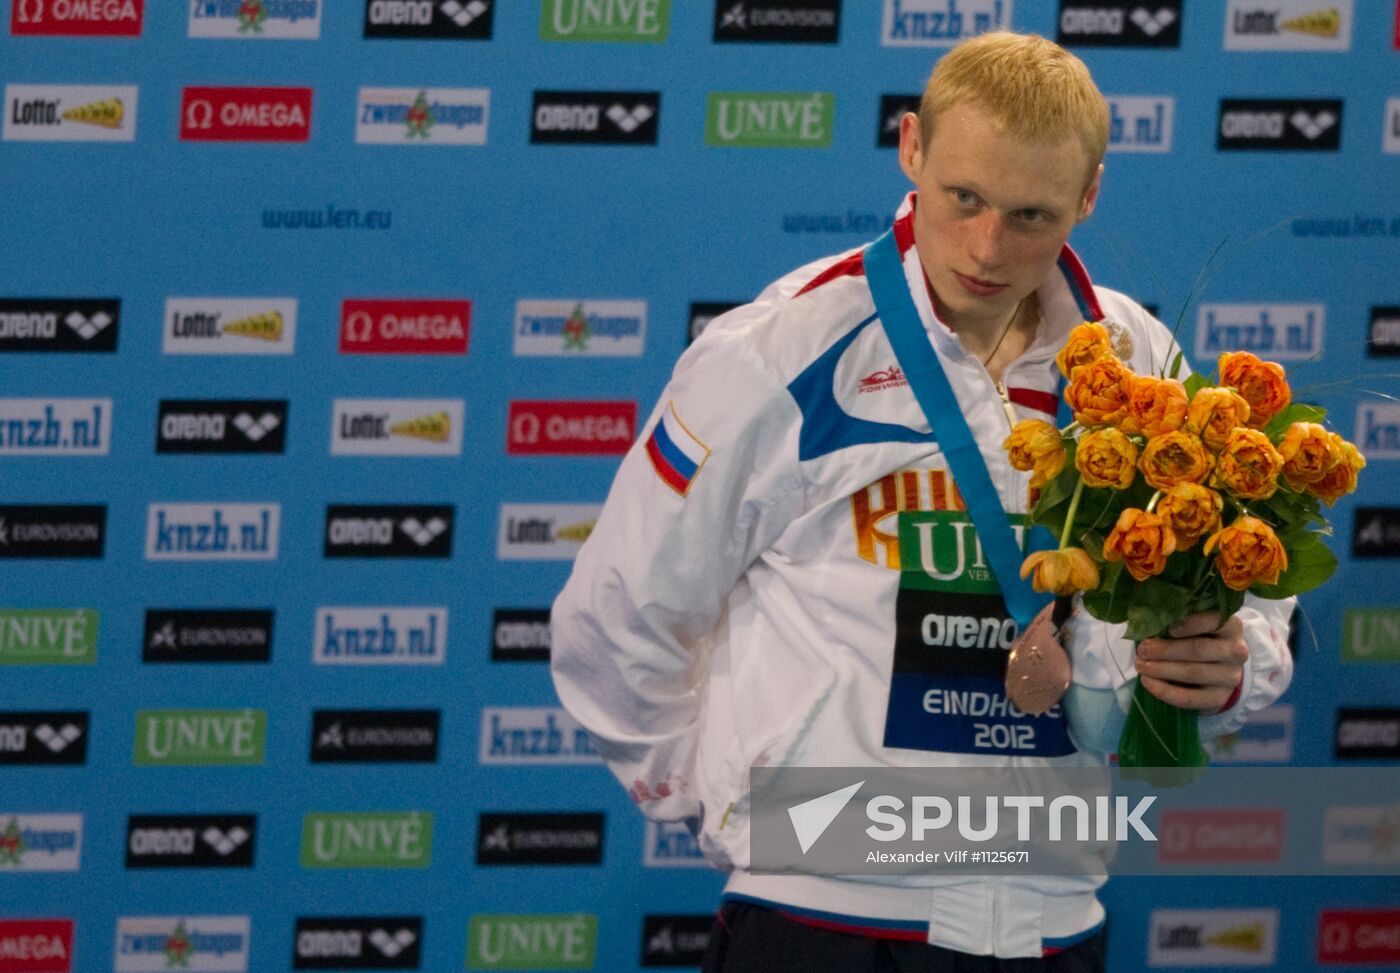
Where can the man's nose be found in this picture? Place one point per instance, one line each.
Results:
(988, 241)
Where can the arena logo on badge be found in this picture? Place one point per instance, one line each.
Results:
(422, 116)
(256, 19)
(1277, 332)
(358, 943)
(463, 20)
(58, 324)
(76, 18)
(570, 428)
(1119, 23)
(245, 114)
(1265, 124)
(391, 635)
(44, 737)
(69, 113)
(403, 326)
(940, 23)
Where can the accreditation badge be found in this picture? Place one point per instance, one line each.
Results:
(952, 638)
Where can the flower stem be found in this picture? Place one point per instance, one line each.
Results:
(1073, 511)
(1152, 504)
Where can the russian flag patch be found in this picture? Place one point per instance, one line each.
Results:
(675, 453)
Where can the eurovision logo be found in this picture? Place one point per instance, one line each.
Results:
(675, 940)
(207, 635)
(156, 944)
(404, 327)
(520, 635)
(55, 427)
(1367, 733)
(1119, 23)
(463, 20)
(36, 945)
(200, 737)
(58, 324)
(530, 838)
(777, 21)
(770, 119)
(358, 943)
(1140, 123)
(367, 839)
(893, 108)
(940, 23)
(569, 428)
(1288, 25)
(544, 531)
(52, 530)
(212, 531)
(533, 735)
(388, 530)
(245, 114)
(397, 427)
(380, 636)
(595, 118)
(48, 636)
(221, 426)
(580, 327)
(69, 113)
(1384, 335)
(1276, 332)
(1368, 937)
(40, 842)
(634, 21)
(422, 116)
(76, 18)
(230, 326)
(1299, 124)
(395, 736)
(532, 942)
(1378, 430)
(1213, 937)
(1375, 531)
(46, 737)
(190, 840)
(256, 19)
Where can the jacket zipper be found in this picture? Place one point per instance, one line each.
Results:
(1006, 405)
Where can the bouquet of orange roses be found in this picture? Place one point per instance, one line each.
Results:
(1173, 497)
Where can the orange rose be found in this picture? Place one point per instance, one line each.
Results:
(1262, 384)
(1087, 342)
(1309, 453)
(1061, 572)
(1214, 413)
(1192, 510)
(1036, 445)
(1157, 405)
(1141, 541)
(1099, 392)
(1341, 479)
(1106, 458)
(1250, 551)
(1174, 457)
(1249, 465)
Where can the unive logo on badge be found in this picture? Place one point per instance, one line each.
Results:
(200, 737)
(1276, 332)
(69, 113)
(36, 945)
(404, 326)
(1119, 23)
(200, 944)
(531, 838)
(893, 108)
(46, 737)
(256, 19)
(940, 23)
(532, 942)
(461, 20)
(388, 530)
(202, 426)
(777, 21)
(1288, 25)
(1140, 123)
(635, 21)
(52, 530)
(533, 735)
(595, 118)
(40, 842)
(212, 531)
(1384, 339)
(569, 428)
(397, 427)
(367, 839)
(422, 116)
(1298, 124)
(391, 736)
(580, 327)
(55, 427)
(207, 635)
(48, 636)
(1213, 937)
(245, 114)
(770, 119)
(520, 635)
(230, 326)
(358, 943)
(675, 940)
(59, 324)
(1367, 733)
(669, 844)
(1371, 635)
(190, 840)
(358, 636)
(1368, 937)
(1378, 430)
(76, 18)
(544, 531)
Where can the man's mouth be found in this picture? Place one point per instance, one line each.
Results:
(979, 287)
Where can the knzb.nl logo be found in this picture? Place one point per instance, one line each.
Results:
(69, 113)
(207, 944)
(256, 19)
(422, 116)
(212, 531)
(669, 844)
(940, 23)
(77, 18)
(533, 735)
(580, 327)
(230, 326)
(1378, 430)
(360, 636)
(55, 427)
(40, 842)
(1140, 123)
(1277, 332)
(59, 324)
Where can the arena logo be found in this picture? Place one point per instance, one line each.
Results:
(48, 636)
(45, 737)
(634, 21)
(1140, 123)
(1213, 937)
(36, 945)
(389, 530)
(580, 327)
(1297, 124)
(1288, 25)
(530, 838)
(893, 108)
(245, 114)
(1277, 332)
(1192, 835)
(212, 531)
(76, 18)
(537, 428)
(769, 119)
(155, 944)
(422, 116)
(200, 737)
(207, 635)
(1361, 835)
(1367, 733)
(191, 840)
(230, 326)
(1376, 530)
(669, 844)
(40, 842)
(527, 735)
(53, 530)
(69, 113)
(404, 326)
(203, 426)
(1119, 23)
(57, 324)
(256, 19)
(777, 21)
(595, 118)
(387, 736)
(532, 942)
(1371, 635)
(367, 839)
(1367, 937)
(397, 427)
(543, 531)
(1390, 135)
(55, 427)
(1266, 739)
(358, 943)
(520, 635)
(1384, 335)
(675, 940)
(464, 20)
(940, 23)
(361, 636)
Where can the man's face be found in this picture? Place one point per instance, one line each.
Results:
(993, 211)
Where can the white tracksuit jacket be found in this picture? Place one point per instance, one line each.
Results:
(735, 603)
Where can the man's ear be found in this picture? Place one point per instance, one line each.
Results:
(911, 149)
(1091, 195)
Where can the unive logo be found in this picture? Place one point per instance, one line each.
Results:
(669, 844)
(1288, 25)
(1369, 937)
(36, 945)
(1119, 23)
(69, 113)
(637, 21)
(1375, 531)
(359, 636)
(675, 940)
(76, 18)
(595, 118)
(1267, 738)
(520, 635)
(422, 116)
(404, 327)
(1371, 635)
(1378, 430)
(59, 324)
(529, 838)
(1213, 937)
(221, 426)
(48, 636)
(532, 942)
(533, 735)
(40, 842)
(207, 635)
(367, 839)
(200, 944)
(1384, 339)
(544, 531)
(52, 530)
(200, 737)
(893, 108)
(777, 21)
(580, 327)
(375, 736)
(1277, 332)
(245, 114)
(1367, 733)
(256, 19)
(1140, 123)
(1361, 835)
(358, 943)
(190, 840)
(1299, 124)
(55, 427)
(397, 427)
(462, 20)
(47, 737)
(569, 428)
(1191, 835)
(230, 326)
(770, 119)
(389, 530)
(212, 531)
(940, 23)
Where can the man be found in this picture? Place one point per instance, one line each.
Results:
(736, 604)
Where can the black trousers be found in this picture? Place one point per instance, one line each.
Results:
(752, 939)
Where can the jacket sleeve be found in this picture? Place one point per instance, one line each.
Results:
(709, 484)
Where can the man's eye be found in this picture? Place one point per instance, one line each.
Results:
(1031, 216)
(964, 197)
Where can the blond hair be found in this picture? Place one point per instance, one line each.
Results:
(1032, 87)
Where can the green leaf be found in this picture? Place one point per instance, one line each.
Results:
(1176, 363)
(1194, 383)
(1108, 602)
(1297, 412)
(1293, 509)
(1055, 493)
(1309, 565)
(1154, 606)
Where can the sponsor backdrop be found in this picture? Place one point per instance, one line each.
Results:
(323, 325)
